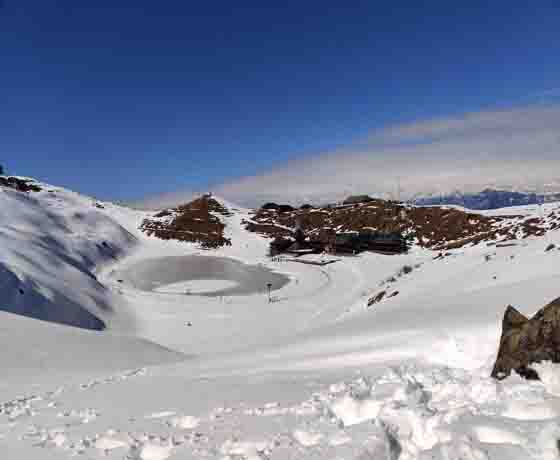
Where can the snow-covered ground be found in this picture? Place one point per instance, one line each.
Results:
(313, 374)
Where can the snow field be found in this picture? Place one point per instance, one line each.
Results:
(314, 374)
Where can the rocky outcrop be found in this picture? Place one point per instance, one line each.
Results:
(19, 184)
(376, 298)
(196, 222)
(437, 228)
(526, 341)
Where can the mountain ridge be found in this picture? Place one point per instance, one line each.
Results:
(488, 199)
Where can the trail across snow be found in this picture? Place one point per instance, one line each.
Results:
(313, 374)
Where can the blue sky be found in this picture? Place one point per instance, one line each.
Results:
(126, 99)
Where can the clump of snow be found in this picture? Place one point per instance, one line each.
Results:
(152, 451)
(529, 410)
(248, 450)
(109, 443)
(339, 438)
(58, 439)
(185, 422)
(306, 438)
(352, 411)
(162, 414)
(549, 373)
(496, 435)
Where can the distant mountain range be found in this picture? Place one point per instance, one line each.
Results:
(488, 199)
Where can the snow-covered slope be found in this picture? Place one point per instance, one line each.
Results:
(52, 242)
(313, 374)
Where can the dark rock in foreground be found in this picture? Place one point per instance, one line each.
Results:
(526, 341)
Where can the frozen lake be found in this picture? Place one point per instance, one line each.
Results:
(200, 275)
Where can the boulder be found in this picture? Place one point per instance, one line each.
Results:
(526, 341)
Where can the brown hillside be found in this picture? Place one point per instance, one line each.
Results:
(195, 222)
(437, 228)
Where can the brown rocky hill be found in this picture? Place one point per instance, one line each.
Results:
(437, 228)
(197, 222)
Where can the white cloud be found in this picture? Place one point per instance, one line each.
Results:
(517, 148)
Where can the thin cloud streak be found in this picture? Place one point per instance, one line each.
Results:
(516, 148)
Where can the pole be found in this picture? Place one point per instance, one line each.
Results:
(269, 288)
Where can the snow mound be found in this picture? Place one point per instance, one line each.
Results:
(247, 450)
(549, 373)
(351, 411)
(306, 438)
(186, 422)
(152, 451)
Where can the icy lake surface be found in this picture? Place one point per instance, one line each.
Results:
(201, 275)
